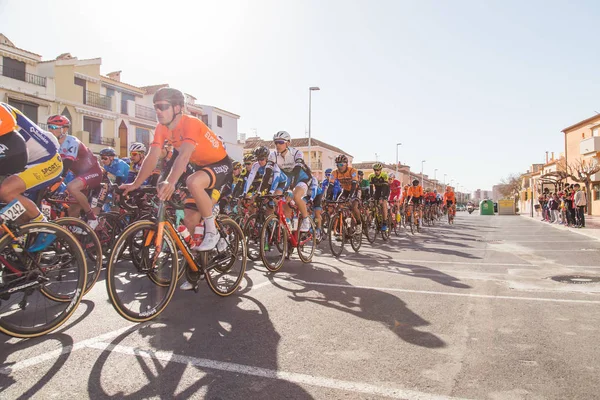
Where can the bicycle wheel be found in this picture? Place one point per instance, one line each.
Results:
(307, 242)
(109, 227)
(385, 235)
(411, 222)
(369, 227)
(39, 290)
(252, 230)
(273, 243)
(356, 238)
(91, 247)
(141, 292)
(225, 266)
(337, 234)
(325, 220)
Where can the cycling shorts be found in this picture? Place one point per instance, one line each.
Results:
(92, 178)
(39, 175)
(13, 153)
(416, 200)
(381, 192)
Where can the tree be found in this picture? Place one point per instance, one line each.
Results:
(580, 171)
(511, 186)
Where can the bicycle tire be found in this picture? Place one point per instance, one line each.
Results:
(334, 234)
(233, 236)
(276, 238)
(71, 302)
(252, 229)
(368, 226)
(114, 277)
(356, 238)
(307, 237)
(91, 246)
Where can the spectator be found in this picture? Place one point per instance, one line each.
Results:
(580, 203)
(554, 209)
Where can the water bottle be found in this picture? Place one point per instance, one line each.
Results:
(94, 203)
(46, 209)
(198, 233)
(348, 222)
(289, 223)
(184, 233)
(294, 223)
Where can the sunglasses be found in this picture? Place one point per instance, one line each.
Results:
(341, 164)
(237, 167)
(279, 141)
(104, 158)
(53, 127)
(261, 159)
(134, 153)
(162, 107)
(377, 170)
(248, 163)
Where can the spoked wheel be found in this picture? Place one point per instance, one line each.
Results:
(369, 227)
(109, 227)
(325, 221)
(252, 230)
(337, 234)
(40, 285)
(385, 235)
(225, 265)
(89, 243)
(411, 223)
(356, 238)
(141, 291)
(273, 243)
(307, 242)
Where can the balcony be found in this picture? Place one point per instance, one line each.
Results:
(21, 75)
(589, 145)
(98, 100)
(145, 112)
(107, 141)
(316, 165)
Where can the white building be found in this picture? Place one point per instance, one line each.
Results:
(224, 124)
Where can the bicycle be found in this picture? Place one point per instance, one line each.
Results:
(42, 281)
(278, 240)
(343, 227)
(155, 245)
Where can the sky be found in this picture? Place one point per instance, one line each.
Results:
(477, 89)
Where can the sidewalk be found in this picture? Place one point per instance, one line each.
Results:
(592, 225)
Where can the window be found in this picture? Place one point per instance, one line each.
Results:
(94, 127)
(110, 92)
(219, 121)
(142, 135)
(29, 109)
(124, 98)
(205, 119)
(595, 131)
(13, 68)
(596, 191)
(81, 82)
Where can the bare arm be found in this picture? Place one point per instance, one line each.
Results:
(148, 166)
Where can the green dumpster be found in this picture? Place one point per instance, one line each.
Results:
(486, 207)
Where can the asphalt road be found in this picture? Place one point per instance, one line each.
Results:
(463, 311)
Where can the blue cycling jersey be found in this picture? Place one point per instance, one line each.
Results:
(118, 168)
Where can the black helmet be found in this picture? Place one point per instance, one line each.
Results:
(360, 172)
(261, 152)
(173, 96)
(341, 159)
(415, 182)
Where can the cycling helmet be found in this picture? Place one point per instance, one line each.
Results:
(261, 152)
(173, 96)
(341, 159)
(377, 165)
(8, 122)
(236, 164)
(282, 135)
(108, 152)
(137, 146)
(249, 157)
(328, 171)
(360, 173)
(392, 176)
(59, 120)
(415, 182)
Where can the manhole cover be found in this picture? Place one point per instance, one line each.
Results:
(576, 279)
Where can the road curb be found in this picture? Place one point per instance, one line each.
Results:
(581, 231)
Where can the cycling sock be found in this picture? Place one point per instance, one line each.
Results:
(39, 218)
(209, 225)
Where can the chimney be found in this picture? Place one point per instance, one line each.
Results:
(546, 157)
(552, 156)
(115, 76)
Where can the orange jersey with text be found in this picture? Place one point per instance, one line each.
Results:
(449, 196)
(346, 178)
(415, 191)
(208, 147)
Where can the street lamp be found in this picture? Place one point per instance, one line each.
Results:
(434, 178)
(397, 144)
(422, 162)
(310, 90)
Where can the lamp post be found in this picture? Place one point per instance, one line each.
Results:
(397, 144)
(422, 162)
(434, 178)
(310, 90)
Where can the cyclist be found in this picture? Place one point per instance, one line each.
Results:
(364, 186)
(277, 182)
(239, 180)
(348, 179)
(291, 163)
(82, 162)
(430, 200)
(196, 149)
(380, 190)
(330, 193)
(450, 199)
(29, 155)
(395, 192)
(415, 196)
(113, 165)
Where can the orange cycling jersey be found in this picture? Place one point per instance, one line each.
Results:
(415, 191)
(346, 178)
(208, 147)
(449, 196)
(430, 197)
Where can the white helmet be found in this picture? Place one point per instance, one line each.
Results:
(282, 135)
(392, 176)
(137, 146)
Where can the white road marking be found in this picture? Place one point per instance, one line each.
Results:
(357, 387)
(480, 296)
(451, 262)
